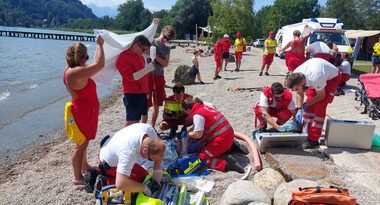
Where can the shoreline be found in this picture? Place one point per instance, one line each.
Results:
(57, 136)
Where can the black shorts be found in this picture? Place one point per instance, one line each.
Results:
(194, 71)
(135, 106)
(225, 55)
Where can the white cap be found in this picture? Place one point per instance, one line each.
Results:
(226, 36)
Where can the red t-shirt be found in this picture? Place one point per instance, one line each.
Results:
(128, 63)
(226, 44)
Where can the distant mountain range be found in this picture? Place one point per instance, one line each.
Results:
(50, 13)
(103, 11)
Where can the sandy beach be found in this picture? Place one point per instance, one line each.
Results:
(43, 174)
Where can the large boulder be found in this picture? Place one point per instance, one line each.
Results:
(268, 180)
(244, 192)
(283, 193)
(183, 75)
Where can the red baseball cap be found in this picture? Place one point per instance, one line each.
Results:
(271, 32)
(238, 33)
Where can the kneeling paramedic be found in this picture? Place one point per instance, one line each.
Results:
(275, 101)
(321, 79)
(215, 134)
(120, 153)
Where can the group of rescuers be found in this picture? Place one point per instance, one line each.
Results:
(119, 153)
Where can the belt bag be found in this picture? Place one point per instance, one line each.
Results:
(72, 130)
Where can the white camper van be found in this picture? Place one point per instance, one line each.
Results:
(324, 29)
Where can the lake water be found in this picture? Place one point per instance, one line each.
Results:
(32, 93)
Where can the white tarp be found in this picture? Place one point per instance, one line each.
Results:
(114, 44)
(361, 33)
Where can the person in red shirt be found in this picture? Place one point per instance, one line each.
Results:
(226, 44)
(135, 87)
(218, 58)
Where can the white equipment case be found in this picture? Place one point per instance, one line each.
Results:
(277, 139)
(350, 134)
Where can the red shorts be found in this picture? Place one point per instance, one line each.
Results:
(138, 174)
(156, 95)
(238, 55)
(344, 78)
(292, 61)
(87, 121)
(268, 59)
(218, 61)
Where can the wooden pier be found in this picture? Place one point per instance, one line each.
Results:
(45, 34)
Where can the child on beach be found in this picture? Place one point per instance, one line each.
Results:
(195, 68)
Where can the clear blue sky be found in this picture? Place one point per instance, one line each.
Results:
(155, 5)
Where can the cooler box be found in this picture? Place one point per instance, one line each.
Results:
(349, 133)
(278, 139)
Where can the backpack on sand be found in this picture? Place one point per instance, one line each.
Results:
(322, 196)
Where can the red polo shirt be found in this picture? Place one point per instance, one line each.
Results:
(128, 63)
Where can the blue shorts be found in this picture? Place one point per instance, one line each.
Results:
(375, 60)
(135, 106)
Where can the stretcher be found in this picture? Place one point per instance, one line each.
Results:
(369, 94)
(279, 139)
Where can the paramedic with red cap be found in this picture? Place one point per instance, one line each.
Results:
(270, 45)
(321, 79)
(240, 45)
(215, 134)
(275, 101)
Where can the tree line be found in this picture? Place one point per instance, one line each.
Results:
(229, 16)
(223, 16)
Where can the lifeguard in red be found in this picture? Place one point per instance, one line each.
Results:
(275, 101)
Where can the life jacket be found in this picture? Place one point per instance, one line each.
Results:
(174, 106)
(215, 122)
(281, 104)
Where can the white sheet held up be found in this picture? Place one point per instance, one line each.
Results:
(114, 44)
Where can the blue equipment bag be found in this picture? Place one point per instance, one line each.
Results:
(188, 165)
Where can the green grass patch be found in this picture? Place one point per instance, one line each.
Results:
(361, 67)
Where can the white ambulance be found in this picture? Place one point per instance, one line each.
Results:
(324, 29)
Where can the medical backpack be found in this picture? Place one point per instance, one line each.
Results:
(322, 196)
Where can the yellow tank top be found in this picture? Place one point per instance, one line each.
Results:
(269, 42)
(376, 49)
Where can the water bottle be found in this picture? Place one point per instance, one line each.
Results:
(376, 140)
